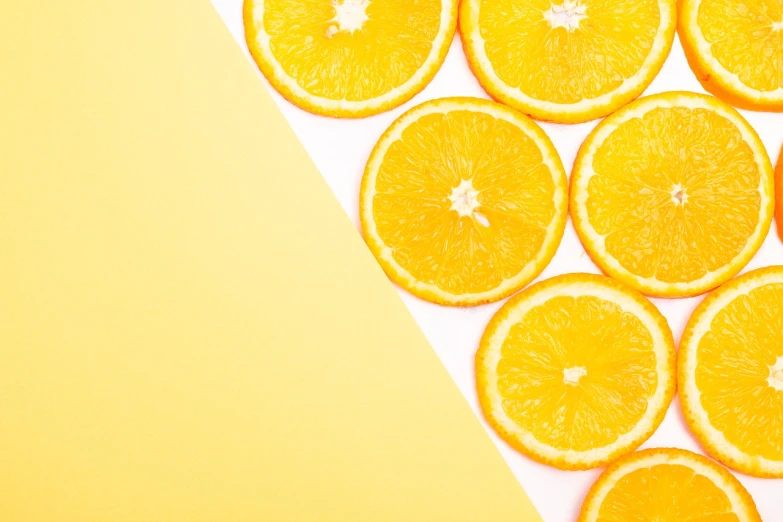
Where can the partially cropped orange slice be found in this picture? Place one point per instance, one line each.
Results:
(576, 371)
(779, 189)
(667, 485)
(735, 47)
(673, 194)
(731, 373)
(463, 201)
(566, 61)
(349, 58)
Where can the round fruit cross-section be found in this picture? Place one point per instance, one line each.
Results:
(576, 371)
(667, 485)
(731, 373)
(566, 61)
(349, 58)
(673, 194)
(463, 201)
(735, 48)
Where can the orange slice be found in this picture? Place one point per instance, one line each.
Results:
(779, 197)
(731, 373)
(576, 371)
(735, 47)
(566, 61)
(673, 194)
(667, 485)
(349, 58)
(463, 201)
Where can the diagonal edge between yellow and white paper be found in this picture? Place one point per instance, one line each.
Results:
(190, 328)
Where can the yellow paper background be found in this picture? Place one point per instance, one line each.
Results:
(190, 328)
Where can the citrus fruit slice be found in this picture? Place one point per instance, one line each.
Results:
(673, 194)
(463, 201)
(349, 58)
(667, 485)
(731, 373)
(735, 48)
(576, 371)
(779, 189)
(566, 61)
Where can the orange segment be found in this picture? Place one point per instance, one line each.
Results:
(731, 367)
(672, 194)
(463, 201)
(576, 370)
(349, 57)
(566, 60)
(735, 47)
(667, 485)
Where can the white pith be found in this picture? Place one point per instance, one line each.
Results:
(395, 96)
(550, 159)
(583, 173)
(572, 375)
(350, 15)
(492, 355)
(679, 195)
(691, 396)
(719, 73)
(464, 198)
(635, 84)
(775, 378)
(609, 480)
(568, 14)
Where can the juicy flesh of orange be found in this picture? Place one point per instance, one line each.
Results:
(666, 493)
(675, 193)
(463, 200)
(746, 37)
(351, 49)
(739, 372)
(577, 372)
(565, 51)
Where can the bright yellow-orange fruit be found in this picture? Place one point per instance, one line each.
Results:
(673, 194)
(735, 47)
(349, 58)
(463, 201)
(779, 192)
(566, 61)
(731, 373)
(667, 485)
(576, 371)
